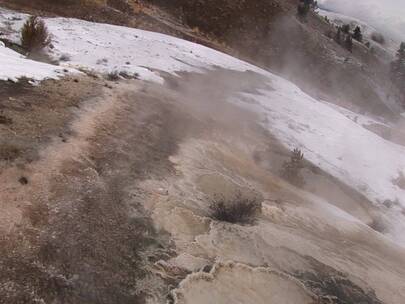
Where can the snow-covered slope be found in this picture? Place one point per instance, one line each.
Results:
(386, 50)
(329, 139)
(387, 16)
(107, 48)
(14, 66)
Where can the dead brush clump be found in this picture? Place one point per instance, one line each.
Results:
(34, 35)
(238, 210)
(113, 76)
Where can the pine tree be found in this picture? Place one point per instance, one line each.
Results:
(401, 52)
(346, 28)
(291, 169)
(357, 35)
(398, 65)
(349, 43)
(302, 10)
(304, 6)
(338, 37)
(398, 72)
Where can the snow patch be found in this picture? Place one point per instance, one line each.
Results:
(106, 48)
(15, 66)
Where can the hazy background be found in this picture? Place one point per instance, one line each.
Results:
(387, 16)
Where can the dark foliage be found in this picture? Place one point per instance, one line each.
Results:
(113, 76)
(398, 72)
(346, 28)
(357, 35)
(304, 6)
(291, 170)
(334, 287)
(239, 210)
(349, 43)
(302, 10)
(338, 37)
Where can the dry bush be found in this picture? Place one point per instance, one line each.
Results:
(240, 210)
(34, 35)
(113, 76)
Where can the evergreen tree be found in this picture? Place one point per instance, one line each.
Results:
(398, 65)
(398, 72)
(346, 28)
(291, 169)
(349, 43)
(302, 10)
(338, 37)
(357, 35)
(401, 52)
(304, 6)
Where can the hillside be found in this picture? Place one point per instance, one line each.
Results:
(140, 167)
(255, 31)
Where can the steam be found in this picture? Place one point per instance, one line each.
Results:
(387, 16)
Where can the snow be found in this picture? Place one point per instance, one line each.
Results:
(326, 133)
(390, 46)
(386, 16)
(334, 142)
(106, 48)
(14, 66)
(360, 119)
(328, 136)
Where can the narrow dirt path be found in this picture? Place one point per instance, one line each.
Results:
(82, 237)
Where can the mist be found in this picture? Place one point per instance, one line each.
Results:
(387, 16)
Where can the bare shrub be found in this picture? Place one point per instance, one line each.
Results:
(239, 210)
(291, 170)
(113, 76)
(34, 34)
(127, 75)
